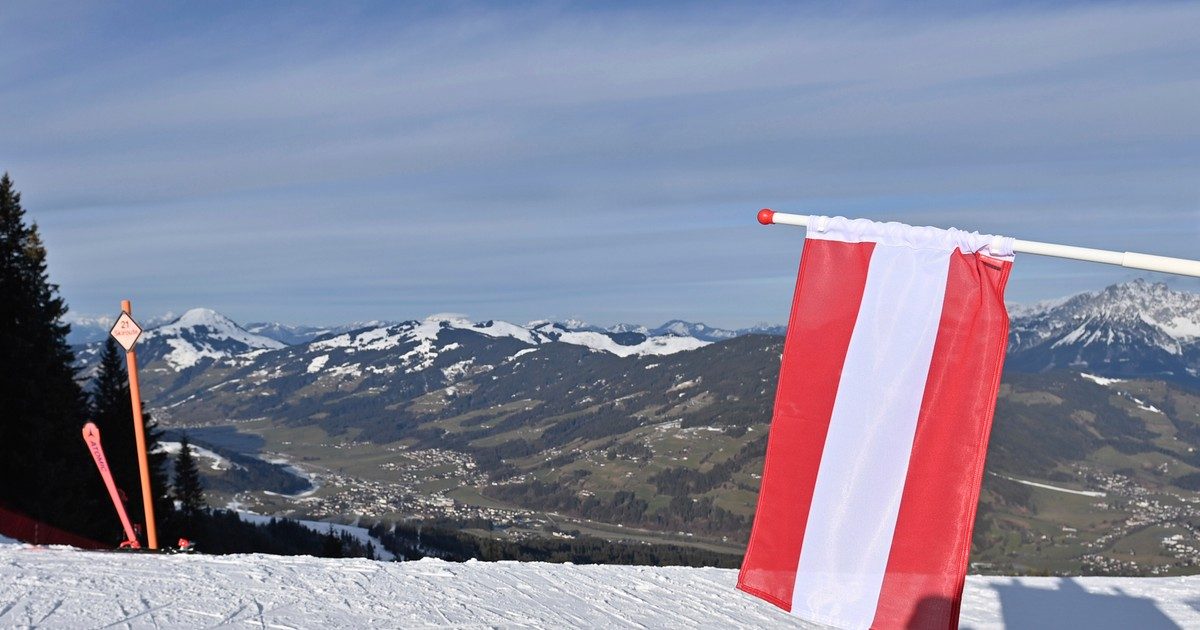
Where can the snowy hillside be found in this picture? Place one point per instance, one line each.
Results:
(65, 588)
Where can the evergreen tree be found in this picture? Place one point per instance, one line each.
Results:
(331, 545)
(46, 470)
(112, 411)
(189, 492)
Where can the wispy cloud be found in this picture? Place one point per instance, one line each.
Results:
(380, 162)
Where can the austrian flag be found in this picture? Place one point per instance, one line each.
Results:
(886, 393)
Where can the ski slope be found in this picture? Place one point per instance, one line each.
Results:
(59, 587)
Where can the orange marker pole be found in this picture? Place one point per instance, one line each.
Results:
(140, 431)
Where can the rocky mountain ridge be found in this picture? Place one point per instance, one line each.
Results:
(1136, 328)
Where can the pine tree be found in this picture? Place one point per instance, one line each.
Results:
(112, 411)
(189, 492)
(46, 470)
(331, 545)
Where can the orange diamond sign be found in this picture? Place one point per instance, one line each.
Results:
(126, 331)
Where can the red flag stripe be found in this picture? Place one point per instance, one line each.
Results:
(824, 312)
(923, 583)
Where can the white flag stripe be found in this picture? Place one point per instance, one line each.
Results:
(865, 460)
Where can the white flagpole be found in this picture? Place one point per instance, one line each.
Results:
(1131, 260)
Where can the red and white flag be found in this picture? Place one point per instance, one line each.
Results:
(886, 392)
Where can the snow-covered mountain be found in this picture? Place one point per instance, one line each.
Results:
(202, 337)
(300, 333)
(365, 376)
(202, 348)
(204, 333)
(1132, 329)
(425, 338)
(200, 334)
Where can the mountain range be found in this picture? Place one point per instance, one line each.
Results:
(664, 429)
(1131, 329)
(86, 330)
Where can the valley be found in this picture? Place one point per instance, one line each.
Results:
(544, 431)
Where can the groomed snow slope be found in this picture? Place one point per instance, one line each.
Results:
(64, 588)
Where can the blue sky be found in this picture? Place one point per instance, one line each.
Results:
(329, 163)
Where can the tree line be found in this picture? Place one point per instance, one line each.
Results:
(446, 539)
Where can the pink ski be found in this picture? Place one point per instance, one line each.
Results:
(91, 435)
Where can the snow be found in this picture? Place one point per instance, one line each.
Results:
(217, 462)
(376, 339)
(1046, 486)
(539, 332)
(1182, 328)
(1071, 337)
(500, 329)
(1100, 380)
(185, 355)
(318, 363)
(340, 341)
(423, 355)
(457, 370)
(425, 349)
(683, 385)
(350, 369)
(520, 353)
(1136, 314)
(382, 338)
(65, 588)
(652, 345)
(1145, 406)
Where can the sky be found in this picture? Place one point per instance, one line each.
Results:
(337, 162)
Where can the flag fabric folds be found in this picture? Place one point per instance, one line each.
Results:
(884, 405)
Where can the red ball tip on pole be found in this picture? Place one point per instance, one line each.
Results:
(766, 216)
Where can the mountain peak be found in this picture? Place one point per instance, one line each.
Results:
(202, 333)
(202, 317)
(1137, 287)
